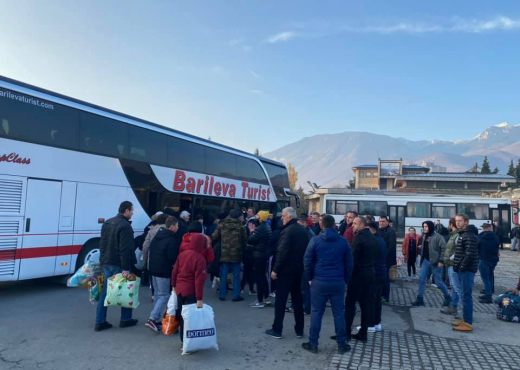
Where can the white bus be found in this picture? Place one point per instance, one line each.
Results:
(66, 165)
(410, 210)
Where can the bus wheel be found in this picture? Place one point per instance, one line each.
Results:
(89, 252)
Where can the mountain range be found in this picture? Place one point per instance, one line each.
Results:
(332, 163)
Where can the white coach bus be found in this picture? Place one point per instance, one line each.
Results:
(410, 210)
(66, 165)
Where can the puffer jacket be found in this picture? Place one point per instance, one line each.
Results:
(466, 250)
(260, 240)
(164, 250)
(208, 252)
(450, 248)
(406, 244)
(117, 243)
(189, 272)
(149, 237)
(233, 239)
(488, 247)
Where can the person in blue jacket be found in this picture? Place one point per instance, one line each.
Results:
(328, 265)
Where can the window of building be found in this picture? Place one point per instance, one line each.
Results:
(101, 135)
(443, 210)
(147, 146)
(375, 174)
(361, 174)
(373, 208)
(418, 210)
(344, 207)
(186, 155)
(330, 207)
(369, 174)
(474, 211)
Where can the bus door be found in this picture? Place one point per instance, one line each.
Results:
(502, 214)
(397, 216)
(12, 205)
(40, 239)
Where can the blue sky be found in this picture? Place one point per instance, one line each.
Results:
(267, 73)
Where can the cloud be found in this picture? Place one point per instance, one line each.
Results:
(476, 26)
(254, 74)
(281, 37)
(259, 92)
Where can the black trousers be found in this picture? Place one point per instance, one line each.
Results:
(259, 271)
(247, 276)
(377, 289)
(359, 290)
(178, 316)
(412, 258)
(286, 284)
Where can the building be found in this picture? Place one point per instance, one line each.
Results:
(381, 176)
(433, 167)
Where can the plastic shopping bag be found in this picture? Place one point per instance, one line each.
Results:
(123, 292)
(95, 287)
(139, 258)
(169, 324)
(172, 304)
(84, 273)
(199, 328)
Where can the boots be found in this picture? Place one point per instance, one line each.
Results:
(464, 327)
(418, 302)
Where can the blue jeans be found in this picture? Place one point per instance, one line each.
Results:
(306, 292)
(466, 287)
(487, 270)
(455, 286)
(321, 291)
(514, 241)
(101, 312)
(161, 296)
(426, 269)
(225, 268)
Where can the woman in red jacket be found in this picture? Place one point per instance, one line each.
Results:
(410, 251)
(196, 228)
(189, 275)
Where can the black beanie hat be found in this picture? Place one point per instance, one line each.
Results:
(195, 227)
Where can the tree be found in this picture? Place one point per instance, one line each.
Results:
(257, 152)
(293, 176)
(304, 207)
(511, 171)
(337, 186)
(518, 173)
(352, 183)
(485, 166)
(474, 169)
(495, 171)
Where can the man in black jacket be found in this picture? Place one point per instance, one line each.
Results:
(499, 231)
(260, 243)
(164, 250)
(117, 255)
(389, 236)
(465, 263)
(364, 249)
(488, 245)
(288, 271)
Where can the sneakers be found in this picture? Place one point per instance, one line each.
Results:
(273, 334)
(129, 323)
(447, 301)
(299, 335)
(252, 292)
(450, 310)
(369, 330)
(328, 304)
(409, 279)
(343, 349)
(464, 327)
(457, 322)
(418, 302)
(215, 284)
(289, 309)
(378, 328)
(239, 299)
(102, 326)
(361, 337)
(272, 295)
(267, 301)
(434, 285)
(257, 305)
(153, 326)
(384, 301)
(309, 347)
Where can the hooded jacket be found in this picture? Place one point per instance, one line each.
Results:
(163, 253)
(189, 272)
(488, 245)
(466, 250)
(149, 237)
(233, 239)
(328, 258)
(436, 245)
(117, 243)
(208, 252)
(260, 241)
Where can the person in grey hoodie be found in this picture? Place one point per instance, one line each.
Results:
(432, 260)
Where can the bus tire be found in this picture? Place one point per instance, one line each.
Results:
(88, 248)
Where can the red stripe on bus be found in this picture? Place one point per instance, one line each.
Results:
(47, 251)
(76, 233)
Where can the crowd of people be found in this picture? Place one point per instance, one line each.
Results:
(309, 262)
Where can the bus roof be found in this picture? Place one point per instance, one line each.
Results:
(140, 120)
